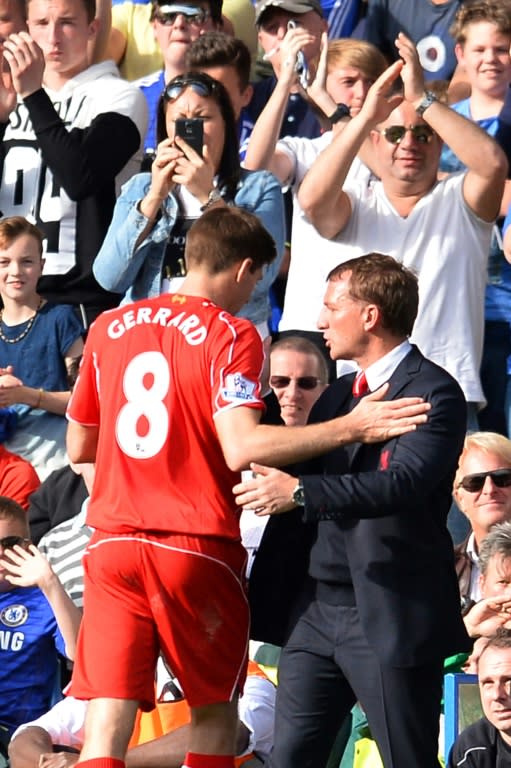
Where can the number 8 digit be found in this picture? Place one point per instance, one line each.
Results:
(144, 402)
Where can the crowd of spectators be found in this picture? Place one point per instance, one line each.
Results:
(348, 127)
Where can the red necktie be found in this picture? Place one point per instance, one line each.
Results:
(360, 386)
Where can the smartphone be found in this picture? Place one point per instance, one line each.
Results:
(191, 130)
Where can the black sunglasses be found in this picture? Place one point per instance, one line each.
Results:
(179, 84)
(474, 483)
(304, 382)
(167, 14)
(396, 133)
(8, 542)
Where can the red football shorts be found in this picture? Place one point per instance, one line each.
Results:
(184, 595)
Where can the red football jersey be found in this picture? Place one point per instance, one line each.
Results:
(153, 376)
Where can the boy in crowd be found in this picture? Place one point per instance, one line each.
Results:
(37, 621)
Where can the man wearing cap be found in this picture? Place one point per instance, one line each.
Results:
(299, 20)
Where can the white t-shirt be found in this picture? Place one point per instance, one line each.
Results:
(446, 245)
(312, 256)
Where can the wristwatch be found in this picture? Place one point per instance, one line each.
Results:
(298, 495)
(426, 102)
(339, 112)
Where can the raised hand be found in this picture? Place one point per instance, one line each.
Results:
(26, 63)
(380, 100)
(194, 172)
(411, 74)
(26, 567)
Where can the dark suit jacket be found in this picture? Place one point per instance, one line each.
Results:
(389, 503)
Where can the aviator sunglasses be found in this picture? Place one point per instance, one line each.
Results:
(167, 14)
(475, 483)
(8, 542)
(303, 382)
(179, 84)
(396, 133)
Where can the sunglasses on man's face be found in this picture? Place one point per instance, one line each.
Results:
(303, 382)
(8, 542)
(396, 133)
(176, 87)
(474, 483)
(167, 14)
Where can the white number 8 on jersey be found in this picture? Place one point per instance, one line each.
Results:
(144, 402)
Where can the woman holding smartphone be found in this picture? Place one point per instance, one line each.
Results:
(143, 252)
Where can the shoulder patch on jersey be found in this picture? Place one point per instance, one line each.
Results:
(237, 387)
(14, 615)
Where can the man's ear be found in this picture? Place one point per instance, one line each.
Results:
(246, 96)
(460, 53)
(244, 269)
(93, 28)
(372, 317)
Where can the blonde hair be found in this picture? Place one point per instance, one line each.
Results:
(487, 442)
(348, 52)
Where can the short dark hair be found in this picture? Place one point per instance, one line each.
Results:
(13, 227)
(216, 49)
(222, 237)
(381, 280)
(229, 169)
(89, 5)
(306, 347)
(11, 510)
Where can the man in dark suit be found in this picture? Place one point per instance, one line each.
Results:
(380, 609)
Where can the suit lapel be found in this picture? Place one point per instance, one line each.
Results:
(406, 370)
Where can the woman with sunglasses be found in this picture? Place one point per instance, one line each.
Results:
(143, 252)
(482, 490)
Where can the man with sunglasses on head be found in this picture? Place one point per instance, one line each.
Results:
(441, 230)
(482, 491)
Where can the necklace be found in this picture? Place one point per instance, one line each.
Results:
(29, 322)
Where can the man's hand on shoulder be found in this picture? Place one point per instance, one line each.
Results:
(375, 420)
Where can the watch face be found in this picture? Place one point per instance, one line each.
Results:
(298, 496)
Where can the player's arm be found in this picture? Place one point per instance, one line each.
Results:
(81, 442)
(244, 440)
(409, 468)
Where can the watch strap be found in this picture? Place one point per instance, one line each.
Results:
(426, 102)
(341, 110)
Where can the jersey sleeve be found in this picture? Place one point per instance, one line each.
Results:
(237, 362)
